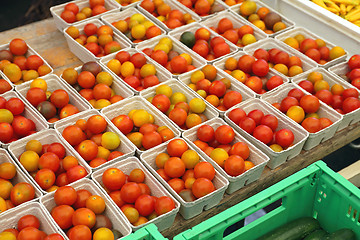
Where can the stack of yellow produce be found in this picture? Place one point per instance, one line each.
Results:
(347, 9)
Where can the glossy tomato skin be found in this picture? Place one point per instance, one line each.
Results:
(163, 205)
(15, 106)
(236, 115)
(263, 133)
(130, 192)
(145, 205)
(354, 62)
(350, 104)
(123, 123)
(21, 126)
(311, 124)
(206, 133)
(22, 192)
(201, 187)
(30, 233)
(247, 124)
(271, 121)
(76, 173)
(63, 216)
(161, 102)
(257, 115)
(284, 137)
(260, 68)
(113, 179)
(224, 134)
(288, 102)
(28, 221)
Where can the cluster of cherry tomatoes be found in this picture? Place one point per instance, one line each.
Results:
(268, 21)
(172, 60)
(207, 46)
(134, 69)
(253, 73)
(137, 28)
(93, 141)
(93, 84)
(52, 105)
(10, 195)
(139, 127)
(18, 65)
(71, 12)
(186, 114)
(13, 125)
(315, 49)
(134, 197)
(82, 214)
(241, 36)
(183, 170)
(28, 227)
(172, 18)
(353, 76)
(281, 61)
(98, 40)
(220, 145)
(217, 92)
(263, 127)
(303, 109)
(342, 100)
(202, 7)
(50, 166)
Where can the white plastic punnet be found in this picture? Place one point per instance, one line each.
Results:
(197, 61)
(110, 5)
(29, 52)
(163, 221)
(177, 86)
(188, 209)
(289, 24)
(125, 147)
(48, 136)
(195, 26)
(80, 51)
(117, 219)
(237, 22)
(10, 218)
(276, 158)
(308, 34)
(108, 19)
(162, 74)
(246, 92)
(20, 175)
(324, 111)
(137, 102)
(28, 113)
(54, 83)
(256, 156)
(269, 43)
(174, 6)
(348, 118)
(220, 64)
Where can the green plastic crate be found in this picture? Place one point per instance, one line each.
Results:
(149, 232)
(315, 191)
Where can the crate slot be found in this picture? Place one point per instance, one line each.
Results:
(349, 210)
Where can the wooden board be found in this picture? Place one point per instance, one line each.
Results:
(50, 43)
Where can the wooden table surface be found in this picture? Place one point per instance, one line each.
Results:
(50, 43)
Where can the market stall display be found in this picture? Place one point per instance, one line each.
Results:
(145, 113)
